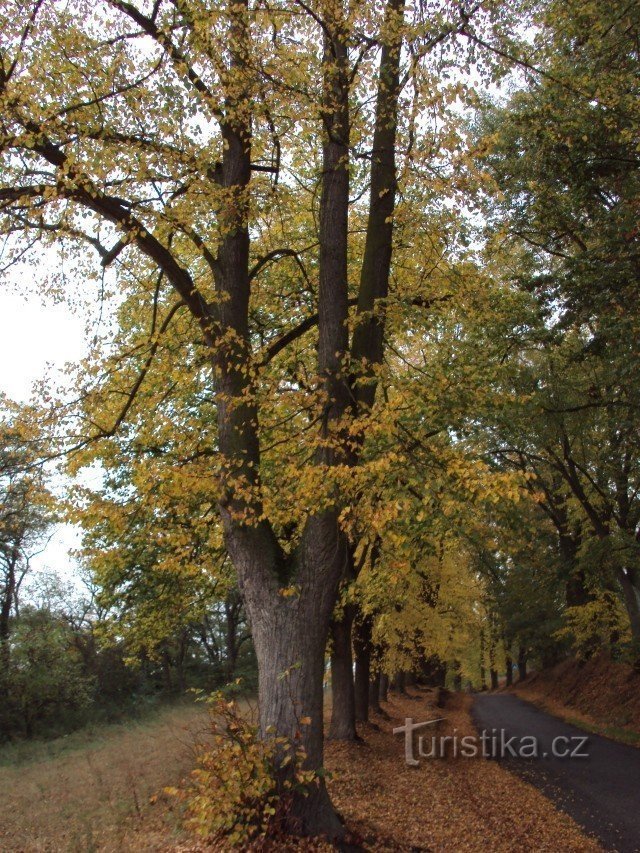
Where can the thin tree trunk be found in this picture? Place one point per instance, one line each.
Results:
(166, 671)
(397, 683)
(343, 712)
(362, 648)
(232, 608)
(181, 654)
(374, 693)
(483, 672)
(631, 592)
(509, 668)
(5, 610)
(384, 687)
(457, 675)
(522, 663)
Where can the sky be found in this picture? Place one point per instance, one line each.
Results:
(37, 336)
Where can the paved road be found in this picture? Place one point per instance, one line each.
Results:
(601, 792)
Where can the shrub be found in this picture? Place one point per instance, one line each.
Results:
(233, 795)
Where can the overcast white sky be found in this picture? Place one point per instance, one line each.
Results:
(33, 335)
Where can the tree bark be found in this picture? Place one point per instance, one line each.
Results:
(631, 592)
(232, 610)
(362, 648)
(290, 647)
(384, 687)
(374, 693)
(509, 668)
(522, 663)
(8, 596)
(457, 675)
(343, 711)
(397, 682)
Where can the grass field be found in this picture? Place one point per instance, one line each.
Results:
(92, 789)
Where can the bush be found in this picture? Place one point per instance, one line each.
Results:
(233, 795)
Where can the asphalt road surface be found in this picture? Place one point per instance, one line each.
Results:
(601, 791)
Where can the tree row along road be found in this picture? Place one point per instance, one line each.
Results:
(601, 791)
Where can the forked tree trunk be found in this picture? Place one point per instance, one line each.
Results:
(343, 713)
(290, 632)
(290, 635)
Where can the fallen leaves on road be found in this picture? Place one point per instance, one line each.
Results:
(452, 804)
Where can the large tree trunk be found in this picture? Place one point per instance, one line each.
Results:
(290, 635)
(290, 650)
(343, 712)
(289, 632)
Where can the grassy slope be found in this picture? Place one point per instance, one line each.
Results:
(599, 695)
(91, 790)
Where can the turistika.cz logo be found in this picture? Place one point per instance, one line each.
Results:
(488, 744)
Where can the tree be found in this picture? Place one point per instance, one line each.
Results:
(564, 154)
(204, 149)
(45, 677)
(25, 514)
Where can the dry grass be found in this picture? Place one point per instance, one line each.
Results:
(92, 791)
